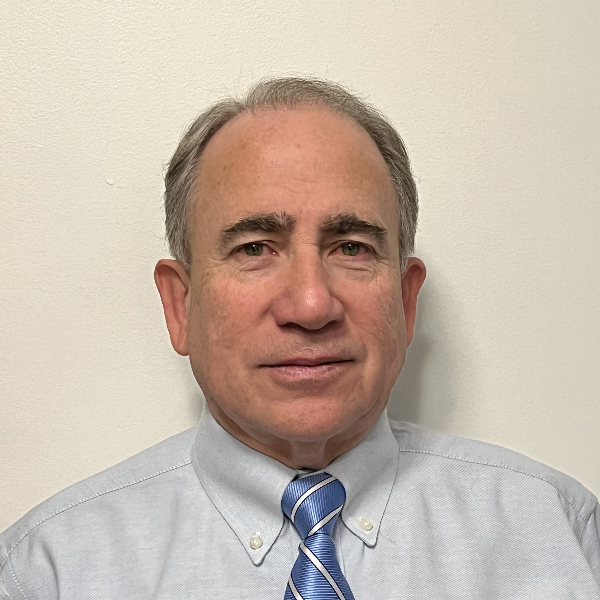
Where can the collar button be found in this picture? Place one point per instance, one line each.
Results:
(365, 524)
(255, 542)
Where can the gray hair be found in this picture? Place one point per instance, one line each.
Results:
(285, 92)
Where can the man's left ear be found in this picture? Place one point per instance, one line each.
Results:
(413, 277)
(173, 283)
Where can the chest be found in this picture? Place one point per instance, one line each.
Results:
(433, 561)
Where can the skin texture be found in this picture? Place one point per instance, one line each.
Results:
(306, 289)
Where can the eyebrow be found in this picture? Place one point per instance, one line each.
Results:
(258, 223)
(341, 224)
(345, 223)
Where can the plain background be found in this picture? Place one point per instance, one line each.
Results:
(498, 103)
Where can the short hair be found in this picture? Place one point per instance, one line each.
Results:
(284, 93)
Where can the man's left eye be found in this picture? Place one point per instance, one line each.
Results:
(350, 248)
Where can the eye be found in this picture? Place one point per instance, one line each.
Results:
(253, 249)
(350, 248)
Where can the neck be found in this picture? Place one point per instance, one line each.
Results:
(297, 454)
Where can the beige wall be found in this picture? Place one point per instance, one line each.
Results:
(498, 104)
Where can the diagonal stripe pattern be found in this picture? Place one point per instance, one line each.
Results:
(313, 504)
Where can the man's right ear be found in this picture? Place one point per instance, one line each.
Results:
(173, 283)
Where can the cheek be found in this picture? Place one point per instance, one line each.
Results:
(381, 315)
(212, 323)
(222, 314)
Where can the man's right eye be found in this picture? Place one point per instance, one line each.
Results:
(253, 249)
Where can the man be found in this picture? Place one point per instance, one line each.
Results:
(291, 216)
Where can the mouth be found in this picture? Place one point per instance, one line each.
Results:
(310, 362)
(302, 369)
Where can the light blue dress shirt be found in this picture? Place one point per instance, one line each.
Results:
(427, 516)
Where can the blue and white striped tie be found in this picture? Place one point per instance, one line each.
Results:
(313, 504)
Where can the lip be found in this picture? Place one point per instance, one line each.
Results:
(309, 362)
(320, 370)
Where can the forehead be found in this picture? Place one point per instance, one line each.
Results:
(307, 161)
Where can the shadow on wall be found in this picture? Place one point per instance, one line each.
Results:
(426, 390)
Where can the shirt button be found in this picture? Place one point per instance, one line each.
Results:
(365, 524)
(255, 542)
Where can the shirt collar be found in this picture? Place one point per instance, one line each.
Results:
(246, 486)
(368, 472)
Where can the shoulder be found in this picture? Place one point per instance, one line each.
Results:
(499, 468)
(153, 469)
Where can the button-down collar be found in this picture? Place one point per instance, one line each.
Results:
(246, 486)
(368, 471)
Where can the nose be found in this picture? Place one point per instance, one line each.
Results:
(305, 295)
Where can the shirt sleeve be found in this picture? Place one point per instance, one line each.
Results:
(590, 542)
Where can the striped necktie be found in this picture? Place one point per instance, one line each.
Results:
(313, 504)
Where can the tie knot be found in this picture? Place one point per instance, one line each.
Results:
(313, 503)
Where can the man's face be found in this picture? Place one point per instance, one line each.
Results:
(295, 320)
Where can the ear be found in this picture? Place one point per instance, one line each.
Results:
(412, 280)
(173, 283)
